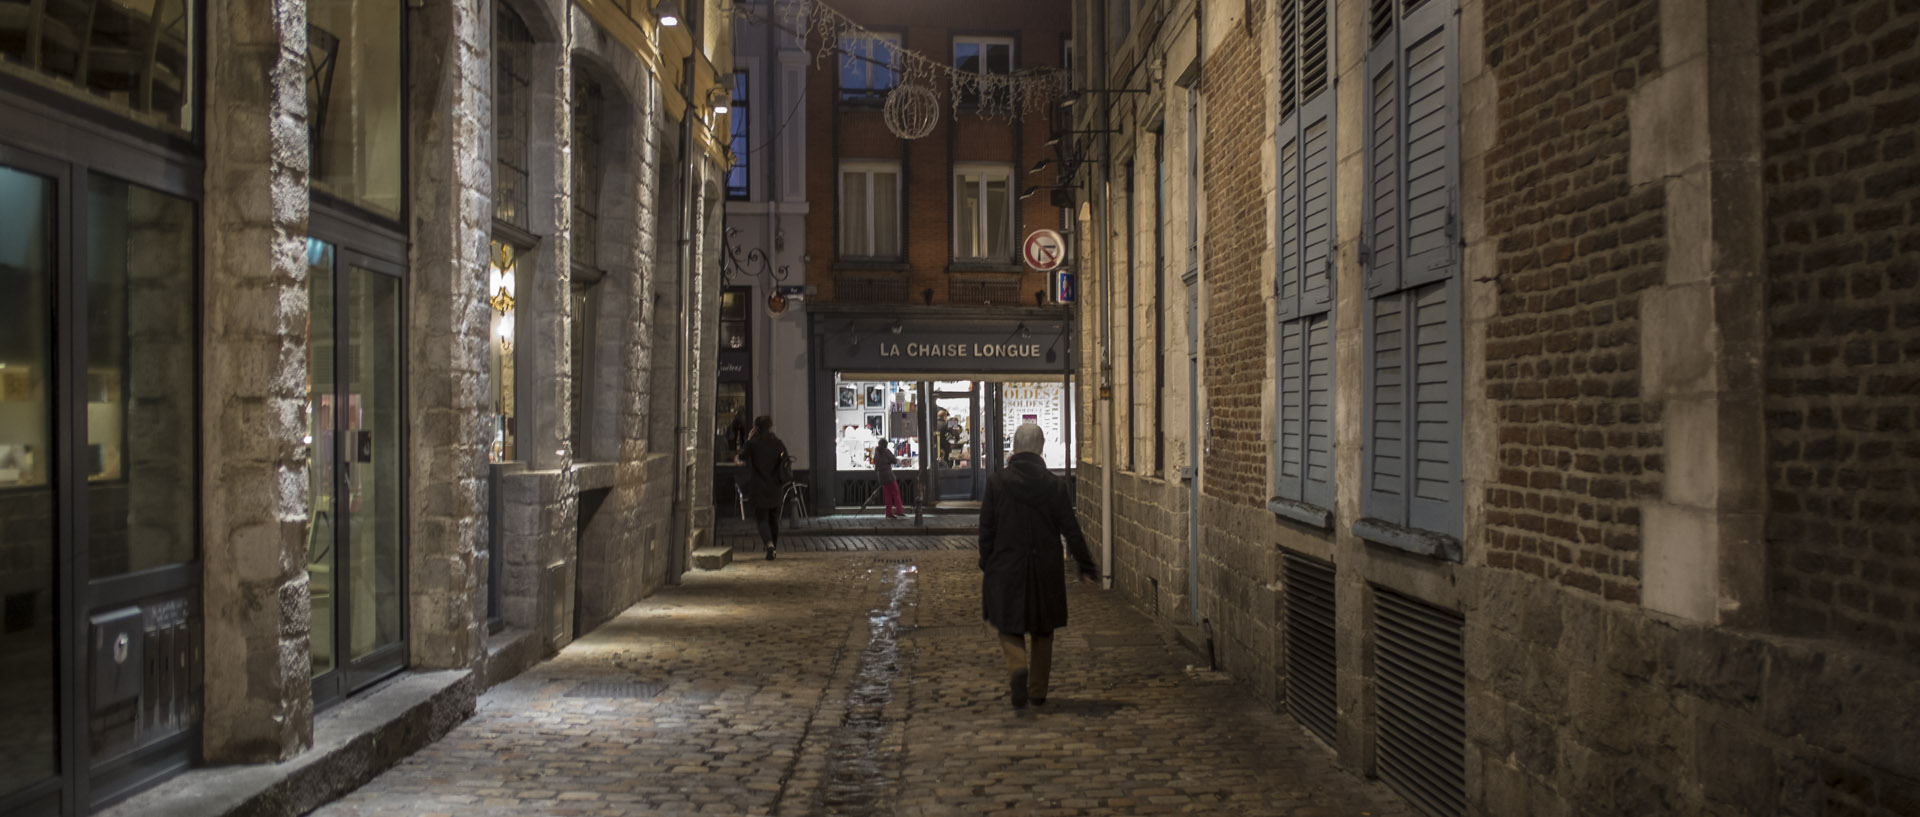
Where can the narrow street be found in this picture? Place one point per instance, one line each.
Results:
(839, 680)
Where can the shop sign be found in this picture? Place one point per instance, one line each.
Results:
(987, 352)
(733, 366)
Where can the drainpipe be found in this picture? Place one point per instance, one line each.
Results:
(685, 458)
(1105, 252)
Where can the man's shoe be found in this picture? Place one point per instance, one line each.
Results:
(1039, 702)
(1019, 690)
(769, 553)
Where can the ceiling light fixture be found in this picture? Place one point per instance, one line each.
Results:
(669, 13)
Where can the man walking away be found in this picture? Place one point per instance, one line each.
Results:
(1023, 592)
(763, 455)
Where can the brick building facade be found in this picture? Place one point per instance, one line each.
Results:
(1610, 512)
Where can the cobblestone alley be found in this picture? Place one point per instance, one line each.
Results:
(842, 681)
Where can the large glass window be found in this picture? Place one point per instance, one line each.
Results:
(135, 55)
(355, 102)
(870, 209)
(139, 381)
(983, 213)
(589, 113)
(27, 698)
(866, 67)
(739, 184)
(1042, 403)
(732, 418)
(512, 116)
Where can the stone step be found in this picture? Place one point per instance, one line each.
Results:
(712, 558)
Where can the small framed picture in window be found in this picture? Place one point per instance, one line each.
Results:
(849, 397)
(875, 397)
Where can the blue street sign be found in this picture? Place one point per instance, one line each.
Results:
(1066, 288)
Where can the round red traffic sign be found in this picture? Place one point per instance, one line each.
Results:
(1044, 250)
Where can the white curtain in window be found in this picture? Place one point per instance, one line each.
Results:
(886, 213)
(854, 233)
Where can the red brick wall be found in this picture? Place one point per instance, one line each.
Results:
(1234, 117)
(1841, 94)
(1575, 245)
(1037, 27)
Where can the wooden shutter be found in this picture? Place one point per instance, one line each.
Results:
(1386, 437)
(1315, 251)
(1317, 470)
(1431, 147)
(1286, 284)
(1380, 238)
(1435, 408)
(1293, 408)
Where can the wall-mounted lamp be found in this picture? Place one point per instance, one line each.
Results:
(897, 327)
(1041, 165)
(719, 95)
(669, 13)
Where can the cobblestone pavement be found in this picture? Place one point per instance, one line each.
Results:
(862, 683)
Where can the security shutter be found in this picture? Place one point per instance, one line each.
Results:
(1420, 677)
(1310, 653)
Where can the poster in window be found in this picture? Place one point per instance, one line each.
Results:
(875, 397)
(874, 425)
(849, 397)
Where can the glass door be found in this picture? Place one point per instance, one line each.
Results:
(355, 541)
(956, 431)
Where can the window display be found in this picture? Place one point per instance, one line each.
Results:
(868, 413)
(1044, 405)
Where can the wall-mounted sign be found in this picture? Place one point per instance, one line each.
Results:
(1065, 287)
(733, 365)
(1043, 250)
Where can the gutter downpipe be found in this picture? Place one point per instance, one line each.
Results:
(683, 492)
(1101, 218)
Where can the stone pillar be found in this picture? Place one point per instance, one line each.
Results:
(1696, 131)
(258, 702)
(452, 184)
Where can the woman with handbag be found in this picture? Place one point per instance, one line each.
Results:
(768, 469)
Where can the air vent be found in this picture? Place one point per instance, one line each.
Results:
(1310, 654)
(1421, 673)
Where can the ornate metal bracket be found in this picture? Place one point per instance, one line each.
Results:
(753, 263)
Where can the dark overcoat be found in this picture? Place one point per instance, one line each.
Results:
(1023, 516)
(761, 455)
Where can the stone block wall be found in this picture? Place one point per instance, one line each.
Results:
(1841, 110)
(1149, 543)
(1575, 245)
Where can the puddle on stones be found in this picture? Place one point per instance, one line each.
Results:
(858, 780)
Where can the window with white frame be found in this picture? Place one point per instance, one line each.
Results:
(870, 209)
(983, 56)
(1303, 277)
(983, 212)
(1410, 250)
(866, 67)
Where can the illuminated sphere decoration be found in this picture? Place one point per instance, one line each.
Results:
(912, 111)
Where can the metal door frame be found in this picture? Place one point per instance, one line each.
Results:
(381, 251)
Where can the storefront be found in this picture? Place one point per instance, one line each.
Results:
(944, 393)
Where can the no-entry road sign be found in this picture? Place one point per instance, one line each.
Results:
(1043, 250)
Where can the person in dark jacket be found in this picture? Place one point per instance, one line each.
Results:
(762, 455)
(1023, 593)
(883, 462)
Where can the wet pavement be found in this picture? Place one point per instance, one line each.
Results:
(859, 681)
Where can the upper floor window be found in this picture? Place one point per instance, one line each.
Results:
(983, 212)
(982, 56)
(357, 102)
(512, 116)
(589, 106)
(1303, 278)
(739, 183)
(866, 67)
(870, 209)
(135, 55)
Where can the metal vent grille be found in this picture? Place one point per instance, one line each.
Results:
(983, 293)
(1421, 671)
(1310, 652)
(858, 290)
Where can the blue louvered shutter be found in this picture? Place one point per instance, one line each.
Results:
(1317, 473)
(1293, 408)
(1385, 475)
(1434, 483)
(1380, 201)
(1287, 246)
(1429, 209)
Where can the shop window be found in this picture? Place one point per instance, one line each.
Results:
(136, 56)
(739, 184)
(866, 67)
(503, 276)
(1043, 404)
(733, 412)
(512, 116)
(139, 383)
(870, 209)
(356, 103)
(983, 213)
(869, 413)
